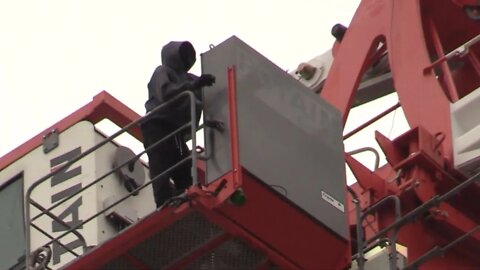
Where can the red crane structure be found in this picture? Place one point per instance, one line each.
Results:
(433, 57)
(270, 186)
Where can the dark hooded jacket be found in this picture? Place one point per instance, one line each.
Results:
(169, 80)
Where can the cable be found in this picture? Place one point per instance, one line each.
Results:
(393, 123)
(284, 190)
(175, 201)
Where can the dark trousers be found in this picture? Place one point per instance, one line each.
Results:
(162, 157)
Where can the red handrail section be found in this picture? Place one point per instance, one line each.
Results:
(217, 192)
(233, 117)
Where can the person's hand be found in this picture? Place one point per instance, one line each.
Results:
(204, 80)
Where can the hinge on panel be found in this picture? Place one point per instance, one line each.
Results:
(50, 141)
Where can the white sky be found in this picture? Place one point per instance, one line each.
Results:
(55, 55)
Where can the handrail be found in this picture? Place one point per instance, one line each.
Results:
(64, 224)
(371, 121)
(120, 200)
(393, 239)
(425, 206)
(456, 52)
(368, 149)
(51, 237)
(400, 221)
(29, 201)
(438, 251)
(109, 172)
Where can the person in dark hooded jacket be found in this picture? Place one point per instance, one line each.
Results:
(168, 80)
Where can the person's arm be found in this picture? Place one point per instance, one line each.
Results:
(165, 88)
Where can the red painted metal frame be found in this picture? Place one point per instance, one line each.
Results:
(375, 21)
(423, 177)
(473, 57)
(208, 247)
(464, 3)
(135, 262)
(233, 228)
(232, 106)
(105, 106)
(286, 240)
(274, 222)
(254, 210)
(451, 90)
(266, 265)
(102, 106)
(426, 106)
(420, 165)
(232, 180)
(371, 121)
(120, 244)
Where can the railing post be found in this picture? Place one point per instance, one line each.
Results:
(233, 117)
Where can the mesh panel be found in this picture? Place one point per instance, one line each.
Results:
(230, 255)
(172, 243)
(118, 264)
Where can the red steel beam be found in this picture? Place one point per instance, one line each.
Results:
(451, 90)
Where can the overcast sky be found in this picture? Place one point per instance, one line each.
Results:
(55, 55)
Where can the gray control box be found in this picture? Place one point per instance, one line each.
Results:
(289, 138)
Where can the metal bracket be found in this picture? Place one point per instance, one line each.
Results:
(40, 259)
(50, 141)
(131, 173)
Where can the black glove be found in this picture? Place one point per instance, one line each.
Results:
(204, 80)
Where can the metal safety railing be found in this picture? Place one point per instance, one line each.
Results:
(364, 245)
(368, 149)
(400, 221)
(361, 243)
(371, 121)
(74, 229)
(461, 50)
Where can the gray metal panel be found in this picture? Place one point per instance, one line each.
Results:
(216, 108)
(12, 228)
(289, 136)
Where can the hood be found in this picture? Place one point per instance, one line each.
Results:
(179, 55)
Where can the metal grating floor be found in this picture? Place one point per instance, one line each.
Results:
(231, 255)
(171, 243)
(118, 264)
